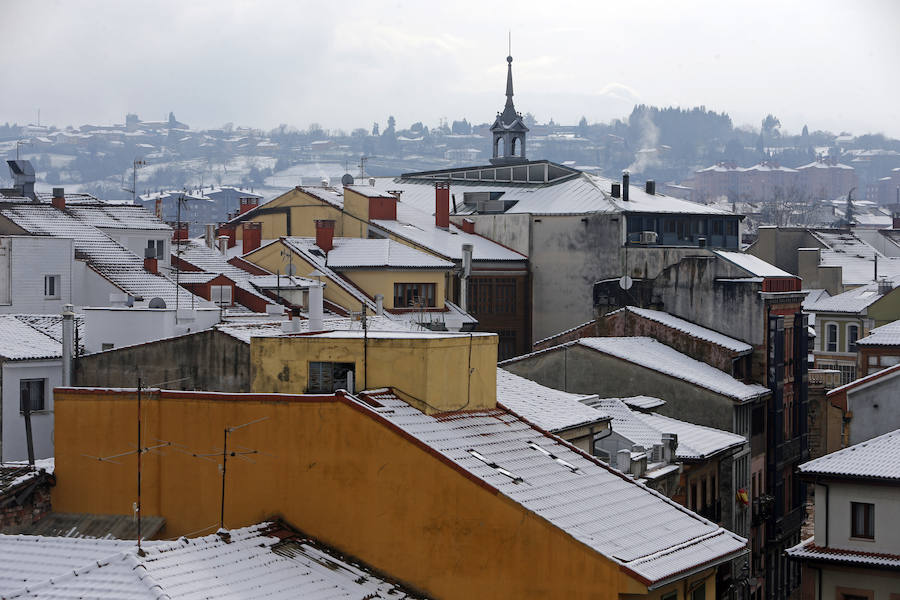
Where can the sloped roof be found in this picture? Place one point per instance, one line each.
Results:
(419, 227)
(808, 550)
(691, 329)
(756, 267)
(261, 561)
(886, 335)
(853, 301)
(656, 356)
(245, 331)
(877, 459)
(349, 253)
(13, 475)
(643, 531)
(813, 296)
(695, 442)
(855, 257)
(21, 341)
(211, 261)
(108, 258)
(117, 216)
(549, 409)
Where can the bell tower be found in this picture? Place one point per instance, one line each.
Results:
(509, 129)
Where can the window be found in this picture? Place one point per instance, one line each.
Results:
(742, 420)
(759, 420)
(831, 331)
(506, 344)
(487, 295)
(863, 520)
(717, 227)
(414, 295)
(328, 377)
(158, 247)
(31, 392)
(51, 286)
(107, 346)
(731, 227)
(852, 336)
(699, 592)
(220, 294)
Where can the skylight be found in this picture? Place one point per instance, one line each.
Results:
(555, 458)
(495, 466)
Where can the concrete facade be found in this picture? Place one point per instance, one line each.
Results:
(13, 446)
(25, 263)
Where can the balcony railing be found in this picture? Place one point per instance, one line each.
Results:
(788, 451)
(829, 378)
(790, 522)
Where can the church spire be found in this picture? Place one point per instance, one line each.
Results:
(508, 129)
(509, 111)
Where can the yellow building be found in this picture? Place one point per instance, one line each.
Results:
(425, 477)
(380, 274)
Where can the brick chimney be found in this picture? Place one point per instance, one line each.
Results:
(325, 234)
(150, 263)
(179, 231)
(252, 236)
(442, 204)
(59, 198)
(896, 221)
(468, 225)
(248, 204)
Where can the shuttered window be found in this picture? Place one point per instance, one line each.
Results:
(328, 377)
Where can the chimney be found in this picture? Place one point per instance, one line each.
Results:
(159, 209)
(68, 343)
(372, 181)
(379, 304)
(59, 198)
(252, 237)
(180, 232)
(325, 182)
(210, 236)
(468, 225)
(247, 204)
(325, 234)
(623, 460)
(625, 178)
(669, 443)
(896, 219)
(442, 204)
(650, 187)
(316, 308)
(223, 244)
(616, 190)
(150, 260)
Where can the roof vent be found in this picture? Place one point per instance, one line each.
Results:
(885, 286)
(325, 182)
(616, 190)
(650, 187)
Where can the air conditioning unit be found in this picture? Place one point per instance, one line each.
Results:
(648, 237)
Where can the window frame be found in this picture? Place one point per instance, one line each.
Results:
(43, 394)
(868, 520)
(827, 341)
(159, 246)
(426, 290)
(55, 282)
(851, 340)
(220, 301)
(343, 367)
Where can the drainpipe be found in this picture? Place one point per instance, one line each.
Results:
(68, 342)
(827, 494)
(464, 277)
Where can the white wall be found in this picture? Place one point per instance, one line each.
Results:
(887, 516)
(883, 583)
(136, 239)
(12, 441)
(30, 258)
(130, 326)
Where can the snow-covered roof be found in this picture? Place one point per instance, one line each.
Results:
(656, 356)
(212, 262)
(825, 165)
(369, 191)
(855, 257)
(14, 474)
(813, 296)
(853, 301)
(886, 335)
(261, 561)
(877, 459)
(117, 216)
(695, 442)
(121, 267)
(691, 329)
(361, 253)
(577, 193)
(808, 550)
(549, 409)
(21, 341)
(643, 402)
(646, 533)
(272, 328)
(756, 267)
(418, 227)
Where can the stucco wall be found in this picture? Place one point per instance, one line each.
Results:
(30, 259)
(875, 407)
(840, 495)
(13, 440)
(340, 474)
(381, 281)
(207, 360)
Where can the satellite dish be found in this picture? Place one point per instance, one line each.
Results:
(625, 282)
(347, 179)
(157, 303)
(291, 270)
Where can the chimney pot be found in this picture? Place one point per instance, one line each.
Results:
(896, 220)
(316, 308)
(625, 184)
(650, 187)
(623, 460)
(223, 244)
(59, 197)
(180, 231)
(468, 225)
(379, 304)
(325, 234)
(372, 181)
(210, 236)
(252, 237)
(442, 204)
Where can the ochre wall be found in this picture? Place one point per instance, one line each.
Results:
(304, 210)
(381, 281)
(432, 370)
(336, 471)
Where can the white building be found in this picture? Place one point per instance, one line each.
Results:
(35, 274)
(855, 552)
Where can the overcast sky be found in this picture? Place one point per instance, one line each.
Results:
(831, 64)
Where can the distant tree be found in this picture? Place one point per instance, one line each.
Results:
(389, 136)
(416, 127)
(375, 129)
(530, 120)
(760, 145)
(583, 126)
(734, 150)
(770, 126)
(315, 131)
(461, 127)
(359, 132)
(805, 133)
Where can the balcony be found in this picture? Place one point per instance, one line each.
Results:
(789, 451)
(790, 523)
(828, 378)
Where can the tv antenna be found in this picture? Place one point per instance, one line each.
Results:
(139, 451)
(135, 166)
